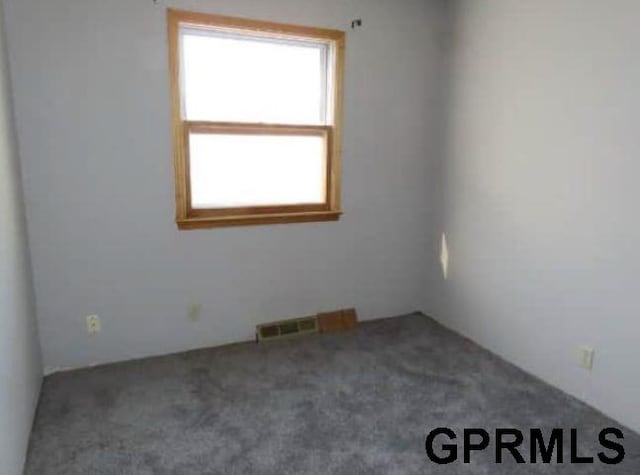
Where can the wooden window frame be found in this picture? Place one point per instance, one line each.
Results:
(190, 218)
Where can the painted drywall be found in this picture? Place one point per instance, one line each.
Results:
(20, 361)
(541, 195)
(92, 108)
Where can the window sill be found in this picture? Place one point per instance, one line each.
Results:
(253, 220)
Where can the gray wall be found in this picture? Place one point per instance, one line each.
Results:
(537, 194)
(91, 87)
(541, 202)
(20, 365)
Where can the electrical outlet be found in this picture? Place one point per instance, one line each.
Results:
(93, 324)
(193, 314)
(444, 256)
(585, 357)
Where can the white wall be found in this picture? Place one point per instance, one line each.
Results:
(537, 193)
(91, 87)
(541, 201)
(20, 362)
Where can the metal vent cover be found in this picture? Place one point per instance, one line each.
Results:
(287, 329)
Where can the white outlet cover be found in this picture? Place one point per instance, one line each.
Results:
(585, 357)
(195, 309)
(444, 256)
(93, 324)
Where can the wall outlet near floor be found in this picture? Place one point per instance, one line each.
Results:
(93, 324)
(194, 311)
(444, 256)
(585, 357)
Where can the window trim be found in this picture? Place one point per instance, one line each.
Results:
(189, 218)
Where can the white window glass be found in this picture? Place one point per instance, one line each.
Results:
(237, 170)
(233, 78)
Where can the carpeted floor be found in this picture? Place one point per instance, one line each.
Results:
(359, 402)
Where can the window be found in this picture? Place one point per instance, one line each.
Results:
(256, 121)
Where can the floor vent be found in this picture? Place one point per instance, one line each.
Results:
(329, 322)
(287, 329)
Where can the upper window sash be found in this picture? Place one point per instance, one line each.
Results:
(232, 76)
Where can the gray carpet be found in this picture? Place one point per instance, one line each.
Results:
(360, 402)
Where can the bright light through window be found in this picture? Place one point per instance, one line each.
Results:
(251, 170)
(256, 120)
(253, 80)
